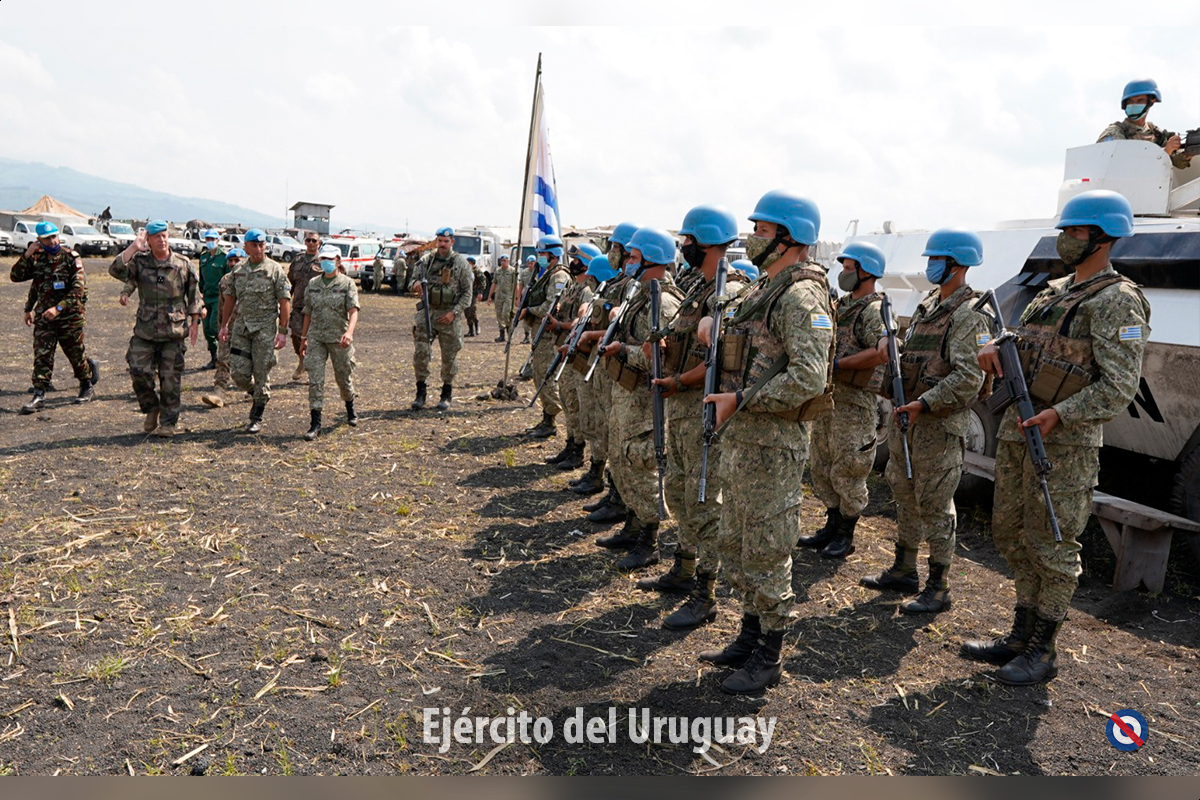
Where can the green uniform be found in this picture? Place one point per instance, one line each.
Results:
(503, 285)
(1105, 340)
(212, 269)
(541, 302)
(257, 290)
(302, 270)
(328, 302)
(450, 286)
(595, 396)
(58, 280)
(221, 377)
(168, 295)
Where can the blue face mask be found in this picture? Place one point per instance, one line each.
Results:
(1135, 110)
(936, 271)
(210, 244)
(543, 262)
(52, 250)
(328, 267)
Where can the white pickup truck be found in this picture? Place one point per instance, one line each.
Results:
(86, 240)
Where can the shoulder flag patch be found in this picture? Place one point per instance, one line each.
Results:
(1128, 333)
(821, 321)
(982, 338)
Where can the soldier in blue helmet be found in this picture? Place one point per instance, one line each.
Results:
(450, 285)
(1137, 99)
(543, 303)
(1083, 338)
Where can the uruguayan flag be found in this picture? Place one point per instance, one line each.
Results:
(541, 194)
(1129, 333)
(821, 321)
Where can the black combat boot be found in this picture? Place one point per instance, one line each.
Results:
(86, 388)
(645, 552)
(613, 509)
(591, 482)
(256, 415)
(1004, 648)
(612, 497)
(843, 542)
(1036, 663)
(681, 577)
(544, 429)
(737, 652)
(500, 338)
(444, 401)
(419, 403)
(901, 577)
(314, 425)
(625, 538)
(351, 414)
(561, 454)
(574, 458)
(826, 534)
(85, 392)
(762, 669)
(935, 597)
(700, 608)
(36, 403)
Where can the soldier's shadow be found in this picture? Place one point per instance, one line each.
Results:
(523, 503)
(503, 477)
(864, 640)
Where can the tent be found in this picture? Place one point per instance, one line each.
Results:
(47, 205)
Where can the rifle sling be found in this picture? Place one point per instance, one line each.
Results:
(777, 366)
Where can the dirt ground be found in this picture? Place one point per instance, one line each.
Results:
(234, 604)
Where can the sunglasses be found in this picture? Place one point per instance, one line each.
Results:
(312, 241)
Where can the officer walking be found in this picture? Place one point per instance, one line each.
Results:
(169, 305)
(503, 284)
(300, 272)
(1085, 336)
(843, 441)
(260, 291)
(541, 303)
(477, 282)
(55, 309)
(212, 269)
(781, 339)
(330, 317)
(942, 379)
(450, 284)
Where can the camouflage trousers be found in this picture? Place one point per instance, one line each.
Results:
(65, 332)
(504, 314)
(164, 360)
(221, 377)
(1045, 574)
(471, 314)
(251, 357)
(343, 370)
(631, 455)
(925, 505)
(568, 394)
(543, 354)
(698, 524)
(595, 400)
(843, 450)
(211, 328)
(450, 341)
(760, 523)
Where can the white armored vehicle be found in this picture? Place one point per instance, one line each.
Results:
(1158, 437)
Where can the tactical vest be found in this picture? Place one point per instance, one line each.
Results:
(1057, 365)
(540, 291)
(52, 271)
(848, 344)
(441, 292)
(749, 348)
(684, 351)
(568, 306)
(925, 360)
(627, 376)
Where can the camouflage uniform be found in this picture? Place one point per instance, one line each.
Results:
(1126, 129)
(541, 302)
(524, 277)
(451, 283)
(574, 298)
(168, 295)
(478, 281)
(328, 302)
(1110, 326)
(843, 441)
(765, 446)
(940, 367)
(502, 296)
(58, 280)
(221, 376)
(300, 272)
(212, 269)
(257, 289)
(595, 396)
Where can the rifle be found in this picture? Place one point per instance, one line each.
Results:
(656, 392)
(611, 331)
(577, 332)
(712, 374)
(560, 360)
(893, 371)
(1012, 389)
(537, 337)
(1191, 143)
(425, 303)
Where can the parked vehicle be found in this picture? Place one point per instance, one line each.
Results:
(282, 247)
(86, 240)
(483, 243)
(6, 243)
(391, 259)
(185, 247)
(356, 253)
(122, 233)
(24, 234)
(232, 240)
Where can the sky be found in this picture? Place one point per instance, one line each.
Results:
(417, 113)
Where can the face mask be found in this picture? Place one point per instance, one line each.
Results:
(1135, 110)
(328, 267)
(693, 254)
(937, 270)
(633, 267)
(1072, 251)
(211, 245)
(614, 257)
(756, 249)
(848, 280)
(52, 250)
(543, 262)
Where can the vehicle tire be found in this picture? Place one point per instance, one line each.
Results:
(1185, 497)
(982, 428)
(287, 257)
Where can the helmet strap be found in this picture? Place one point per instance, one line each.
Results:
(780, 238)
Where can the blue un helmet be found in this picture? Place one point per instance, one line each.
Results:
(623, 233)
(656, 246)
(869, 257)
(600, 269)
(585, 251)
(211, 234)
(709, 225)
(1144, 86)
(962, 245)
(236, 252)
(44, 229)
(797, 214)
(1108, 211)
(746, 266)
(550, 244)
